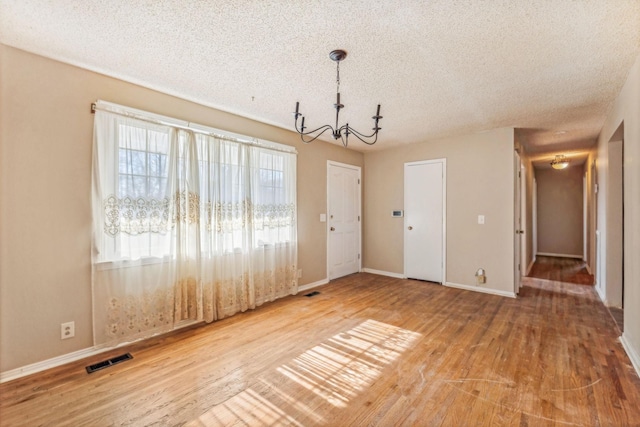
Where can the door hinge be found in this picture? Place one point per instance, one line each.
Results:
(358, 256)
(358, 218)
(358, 180)
(519, 174)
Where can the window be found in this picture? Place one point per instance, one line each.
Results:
(243, 196)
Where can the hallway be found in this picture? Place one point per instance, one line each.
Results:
(569, 270)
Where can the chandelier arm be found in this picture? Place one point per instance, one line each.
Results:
(361, 137)
(360, 134)
(310, 140)
(302, 135)
(326, 127)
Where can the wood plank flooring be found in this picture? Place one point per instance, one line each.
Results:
(368, 350)
(570, 270)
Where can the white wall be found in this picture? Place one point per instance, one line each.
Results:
(625, 109)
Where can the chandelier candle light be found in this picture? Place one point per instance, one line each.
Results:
(343, 131)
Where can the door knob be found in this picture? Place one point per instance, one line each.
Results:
(409, 228)
(333, 229)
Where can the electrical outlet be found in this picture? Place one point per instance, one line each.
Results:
(67, 330)
(299, 273)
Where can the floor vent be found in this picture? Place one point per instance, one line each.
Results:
(108, 362)
(312, 294)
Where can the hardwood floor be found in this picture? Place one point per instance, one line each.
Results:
(561, 269)
(618, 317)
(368, 350)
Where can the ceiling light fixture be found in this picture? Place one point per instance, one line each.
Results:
(560, 162)
(343, 131)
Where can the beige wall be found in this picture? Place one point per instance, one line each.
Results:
(45, 229)
(560, 210)
(480, 181)
(625, 109)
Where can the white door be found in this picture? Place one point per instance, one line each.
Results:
(343, 205)
(424, 220)
(517, 243)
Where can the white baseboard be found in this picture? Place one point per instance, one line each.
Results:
(633, 356)
(530, 266)
(599, 291)
(384, 273)
(483, 290)
(559, 255)
(50, 363)
(312, 285)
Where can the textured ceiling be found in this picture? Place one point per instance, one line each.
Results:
(439, 67)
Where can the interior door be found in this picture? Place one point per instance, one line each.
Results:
(424, 220)
(517, 244)
(343, 235)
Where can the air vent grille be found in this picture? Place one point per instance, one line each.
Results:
(109, 362)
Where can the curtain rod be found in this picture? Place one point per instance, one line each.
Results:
(175, 123)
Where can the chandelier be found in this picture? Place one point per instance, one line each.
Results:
(342, 133)
(560, 162)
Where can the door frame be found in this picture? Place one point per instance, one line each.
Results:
(330, 164)
(443, 161)
(524, 239)
(517, 223)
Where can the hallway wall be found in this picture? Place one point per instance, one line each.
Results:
(560, 211)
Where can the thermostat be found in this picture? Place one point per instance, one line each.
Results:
(397, 214)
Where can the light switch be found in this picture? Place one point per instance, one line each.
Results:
(323, 217)
(480, 219)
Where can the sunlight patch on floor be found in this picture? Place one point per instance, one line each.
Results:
(335, 370)
(350, 361)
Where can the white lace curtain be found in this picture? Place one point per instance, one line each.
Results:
(187, 226)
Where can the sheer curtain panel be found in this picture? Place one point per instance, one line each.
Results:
(188, 225)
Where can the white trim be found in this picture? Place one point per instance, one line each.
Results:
(384, 273)
(77, 355)
(585, 231)
(633, 356)
(559, 255)
(51, 363)
(312, 285)
(483, 290)
(523, 221)
(530, 266)
(534, 217)
(602, 296)
(588, 269)
(330, 164)
(517, 222)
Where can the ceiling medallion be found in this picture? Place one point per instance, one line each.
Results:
(342, 133)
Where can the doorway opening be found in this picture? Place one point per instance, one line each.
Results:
(614, 271)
